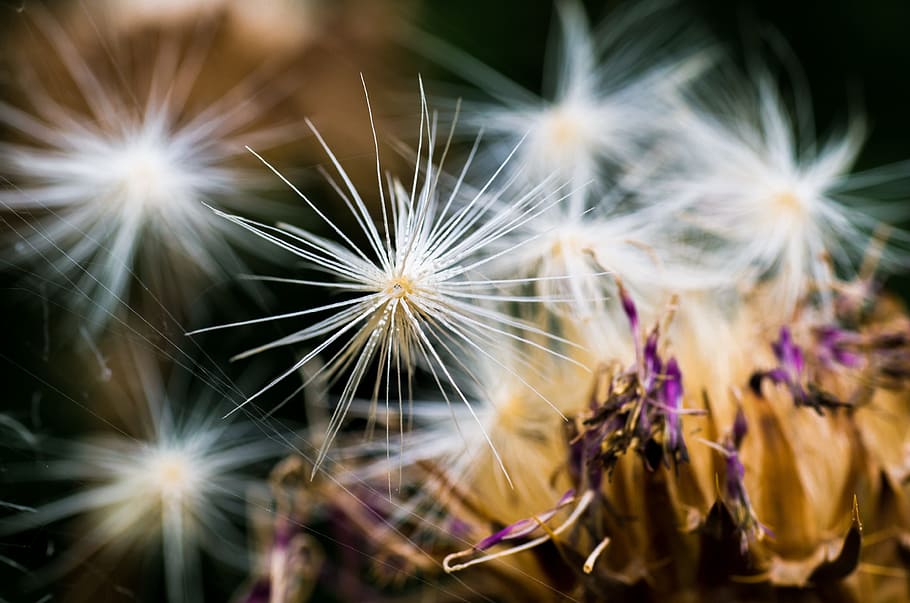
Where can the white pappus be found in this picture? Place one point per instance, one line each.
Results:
(105, 174)
(419, 298)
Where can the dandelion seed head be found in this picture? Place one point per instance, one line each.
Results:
(420, 298)
(563, 137)
(170, 479)
(771, 202)
(788, 202)
(148, 175)
(564, 128)
(595, 116)
(140, 167)
(102, 165)
(178, 487)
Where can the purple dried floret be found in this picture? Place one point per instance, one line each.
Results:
(791, 372)
(737, 498)
(642, 408)
(526, 526)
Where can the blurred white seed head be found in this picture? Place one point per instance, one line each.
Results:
(179, 482)
(606, 89)
(109, 176)
(763, 198)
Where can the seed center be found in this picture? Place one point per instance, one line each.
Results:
(400, 287)
(173, 474)
(788, 201)
(564, 130)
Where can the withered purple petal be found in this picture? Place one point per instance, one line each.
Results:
(525, 526)
(672, 398)
(628, 307)
(652, 362)
(788, 353)
(834, 347)
(740, 428)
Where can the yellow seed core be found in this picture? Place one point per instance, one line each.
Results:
(173, 475)
(563, 130)
(400, 287)
(788, 201)
(567, 243)
(148, 177)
